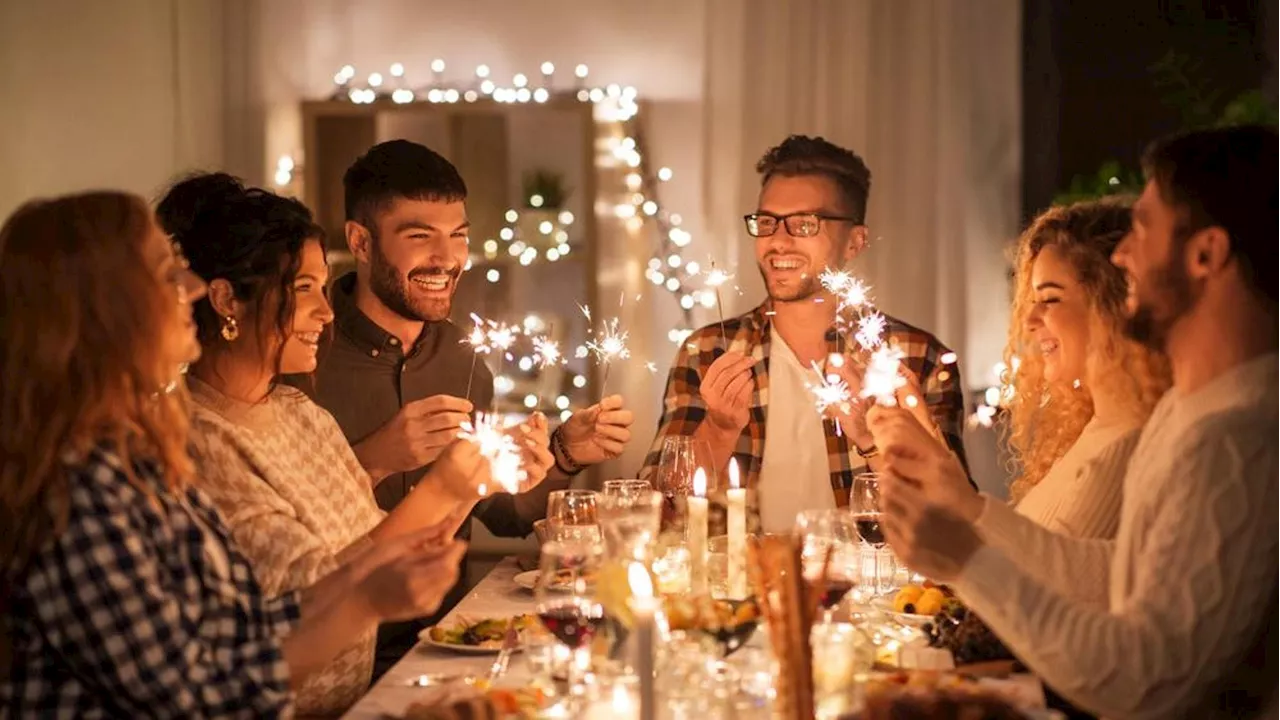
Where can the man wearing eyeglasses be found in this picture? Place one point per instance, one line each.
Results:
(744, 388)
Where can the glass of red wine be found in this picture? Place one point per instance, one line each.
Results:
(830, 546)
(566, 603)
(864, 503)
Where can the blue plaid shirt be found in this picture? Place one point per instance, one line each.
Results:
(126, 614)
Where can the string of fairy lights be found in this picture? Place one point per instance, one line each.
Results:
(668, 267)
(549, 237)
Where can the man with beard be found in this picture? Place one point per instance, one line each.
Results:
(396, 375)
(1189, 629)
(742, 386)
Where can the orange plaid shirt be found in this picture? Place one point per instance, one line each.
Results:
(749, 334)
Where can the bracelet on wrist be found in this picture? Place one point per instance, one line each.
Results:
(558, 450)
(868, 453)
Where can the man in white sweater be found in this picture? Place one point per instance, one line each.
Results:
(1188, 626)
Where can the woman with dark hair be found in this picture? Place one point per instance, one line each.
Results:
(276, 464)
(120, 591)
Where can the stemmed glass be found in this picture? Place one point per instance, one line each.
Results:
(829, 533)
(571, 515)
(864, 503)
(565, 599)
(680, 458)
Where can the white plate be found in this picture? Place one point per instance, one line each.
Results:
(527, 580)
(425, 637)
(886, 606)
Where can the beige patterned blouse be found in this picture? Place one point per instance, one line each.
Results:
(297, 501)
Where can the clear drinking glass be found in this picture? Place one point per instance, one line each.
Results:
(630, 524)
(572, 515)
(864, 504)
(830, 533)
(625, 487)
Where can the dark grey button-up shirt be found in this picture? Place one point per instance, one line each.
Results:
(364, 377)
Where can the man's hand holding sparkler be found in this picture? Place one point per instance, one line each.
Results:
(415, 437)
(726, 390)
(593, 435)
(851, 414)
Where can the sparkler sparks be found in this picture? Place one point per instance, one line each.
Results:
(831, 391)
(883, 376)
(478, 339)
(546, 352)
(609, 345)
(870, 334)
(850, 291)
(490, 437)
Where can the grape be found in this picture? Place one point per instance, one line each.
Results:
(966, 636)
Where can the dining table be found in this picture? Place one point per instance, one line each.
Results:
(498, 595)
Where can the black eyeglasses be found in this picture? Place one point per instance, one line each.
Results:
(798, 224)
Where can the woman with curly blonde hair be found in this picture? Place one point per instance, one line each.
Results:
(1081, 389)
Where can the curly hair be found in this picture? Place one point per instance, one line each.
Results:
(804, 155)
(1044, 418)
(250, 237)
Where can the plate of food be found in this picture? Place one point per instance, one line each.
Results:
(475, 637)
(917, 605)
(529, 580)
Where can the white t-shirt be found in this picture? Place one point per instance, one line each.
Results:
(795, 474)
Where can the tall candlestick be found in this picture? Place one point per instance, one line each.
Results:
(643, 607)
(698, 533)
(737, 499)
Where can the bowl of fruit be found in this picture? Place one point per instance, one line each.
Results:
(916, 605)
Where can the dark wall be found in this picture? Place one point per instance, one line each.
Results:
(1090, 95)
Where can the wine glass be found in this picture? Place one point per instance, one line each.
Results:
(829, 542)
(565, 599)
(571, 515)
(864, 503)
(679, 459)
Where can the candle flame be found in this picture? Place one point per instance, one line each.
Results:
(700, 483)
(639, 580)
(734, 480)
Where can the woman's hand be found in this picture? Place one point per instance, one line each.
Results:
(535, 449)
(910, 450)
(408, 576)
(462, 472)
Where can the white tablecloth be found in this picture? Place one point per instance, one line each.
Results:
(496, 595)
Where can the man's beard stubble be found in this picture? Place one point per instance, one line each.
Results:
(388, 286)
(1171, 297)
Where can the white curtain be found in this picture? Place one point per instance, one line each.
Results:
(928, 92)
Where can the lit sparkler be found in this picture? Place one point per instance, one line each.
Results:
(546, 352)
(870, 334)
(883, 376)
(850, 291)
(715, 278)
(478, 339)
(610, 345)
(488, 433)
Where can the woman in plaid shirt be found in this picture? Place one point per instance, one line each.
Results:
(121, 593)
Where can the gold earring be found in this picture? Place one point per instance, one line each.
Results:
(230, 329)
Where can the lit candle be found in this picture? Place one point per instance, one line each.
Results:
(643, 606)
(737, 499)
(698, 533)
